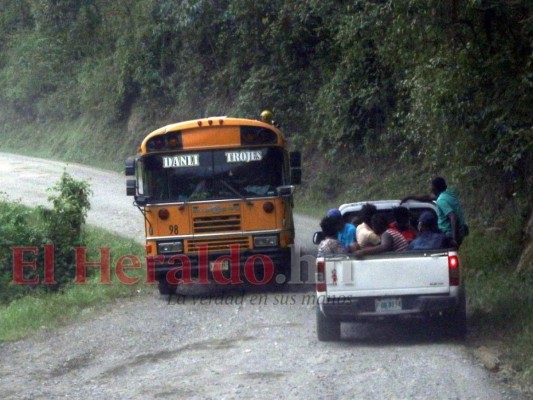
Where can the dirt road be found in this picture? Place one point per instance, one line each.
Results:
(261, 344)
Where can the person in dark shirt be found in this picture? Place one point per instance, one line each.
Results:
(429, 238)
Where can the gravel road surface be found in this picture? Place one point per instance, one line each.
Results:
(260, 344)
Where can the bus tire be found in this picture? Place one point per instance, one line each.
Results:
(327, 329)
(165, 288)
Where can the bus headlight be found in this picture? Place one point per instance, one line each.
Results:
(170, 247)
(266, 241)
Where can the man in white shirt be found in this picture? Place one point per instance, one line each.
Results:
(364, 234)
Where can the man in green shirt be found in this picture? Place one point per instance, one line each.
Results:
(450, 215)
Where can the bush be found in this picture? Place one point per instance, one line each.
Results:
(19, 226)
(61, 226)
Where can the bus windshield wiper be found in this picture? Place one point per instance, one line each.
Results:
(243, 197)
(186, 201)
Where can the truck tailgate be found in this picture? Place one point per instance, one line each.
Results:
(395, 275)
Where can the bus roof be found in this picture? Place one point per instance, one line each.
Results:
(193, 132)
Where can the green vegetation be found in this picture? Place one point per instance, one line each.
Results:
(44, 309)
(433, 83)
(26, 307)
(23, 229)
(500, 300)
(380, 95)
(68, 141)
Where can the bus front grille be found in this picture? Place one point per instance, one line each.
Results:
(217, 223)
(218, 244)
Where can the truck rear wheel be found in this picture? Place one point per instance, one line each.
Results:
(327, 329)
(453, 323)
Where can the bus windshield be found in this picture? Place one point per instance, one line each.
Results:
(213, 174)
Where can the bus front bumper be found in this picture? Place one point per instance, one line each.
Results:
(252, 266)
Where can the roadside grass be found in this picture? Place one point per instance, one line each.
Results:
(82, 141)
(312, 210)
(503, 310)
(500, 299)
(43, 310)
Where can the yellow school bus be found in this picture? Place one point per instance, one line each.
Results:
(217, 199)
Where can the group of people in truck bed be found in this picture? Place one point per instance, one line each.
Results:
(372, 233)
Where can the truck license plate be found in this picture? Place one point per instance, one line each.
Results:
(388, 304)
(219, 266)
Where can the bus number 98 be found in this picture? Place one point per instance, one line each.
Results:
(173, 229)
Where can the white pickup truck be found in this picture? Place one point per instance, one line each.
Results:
(412, 283)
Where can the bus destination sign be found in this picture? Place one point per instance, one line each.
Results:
(185, 160)
(243, 156)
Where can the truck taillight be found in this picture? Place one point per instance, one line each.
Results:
(453, 269)
(320, 276)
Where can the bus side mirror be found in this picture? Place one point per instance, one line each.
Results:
(318, 237)
(130, 166)
(141, 200)
(296, 176)
(131, 187)
(285, 191)
(295, 159)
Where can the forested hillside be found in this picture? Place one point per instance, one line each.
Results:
(371, 87)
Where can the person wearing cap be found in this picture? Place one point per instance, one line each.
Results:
(346, 234)
(430, 237)
(451, 219)
(330, 244)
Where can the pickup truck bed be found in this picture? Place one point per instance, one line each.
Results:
(390, 285)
